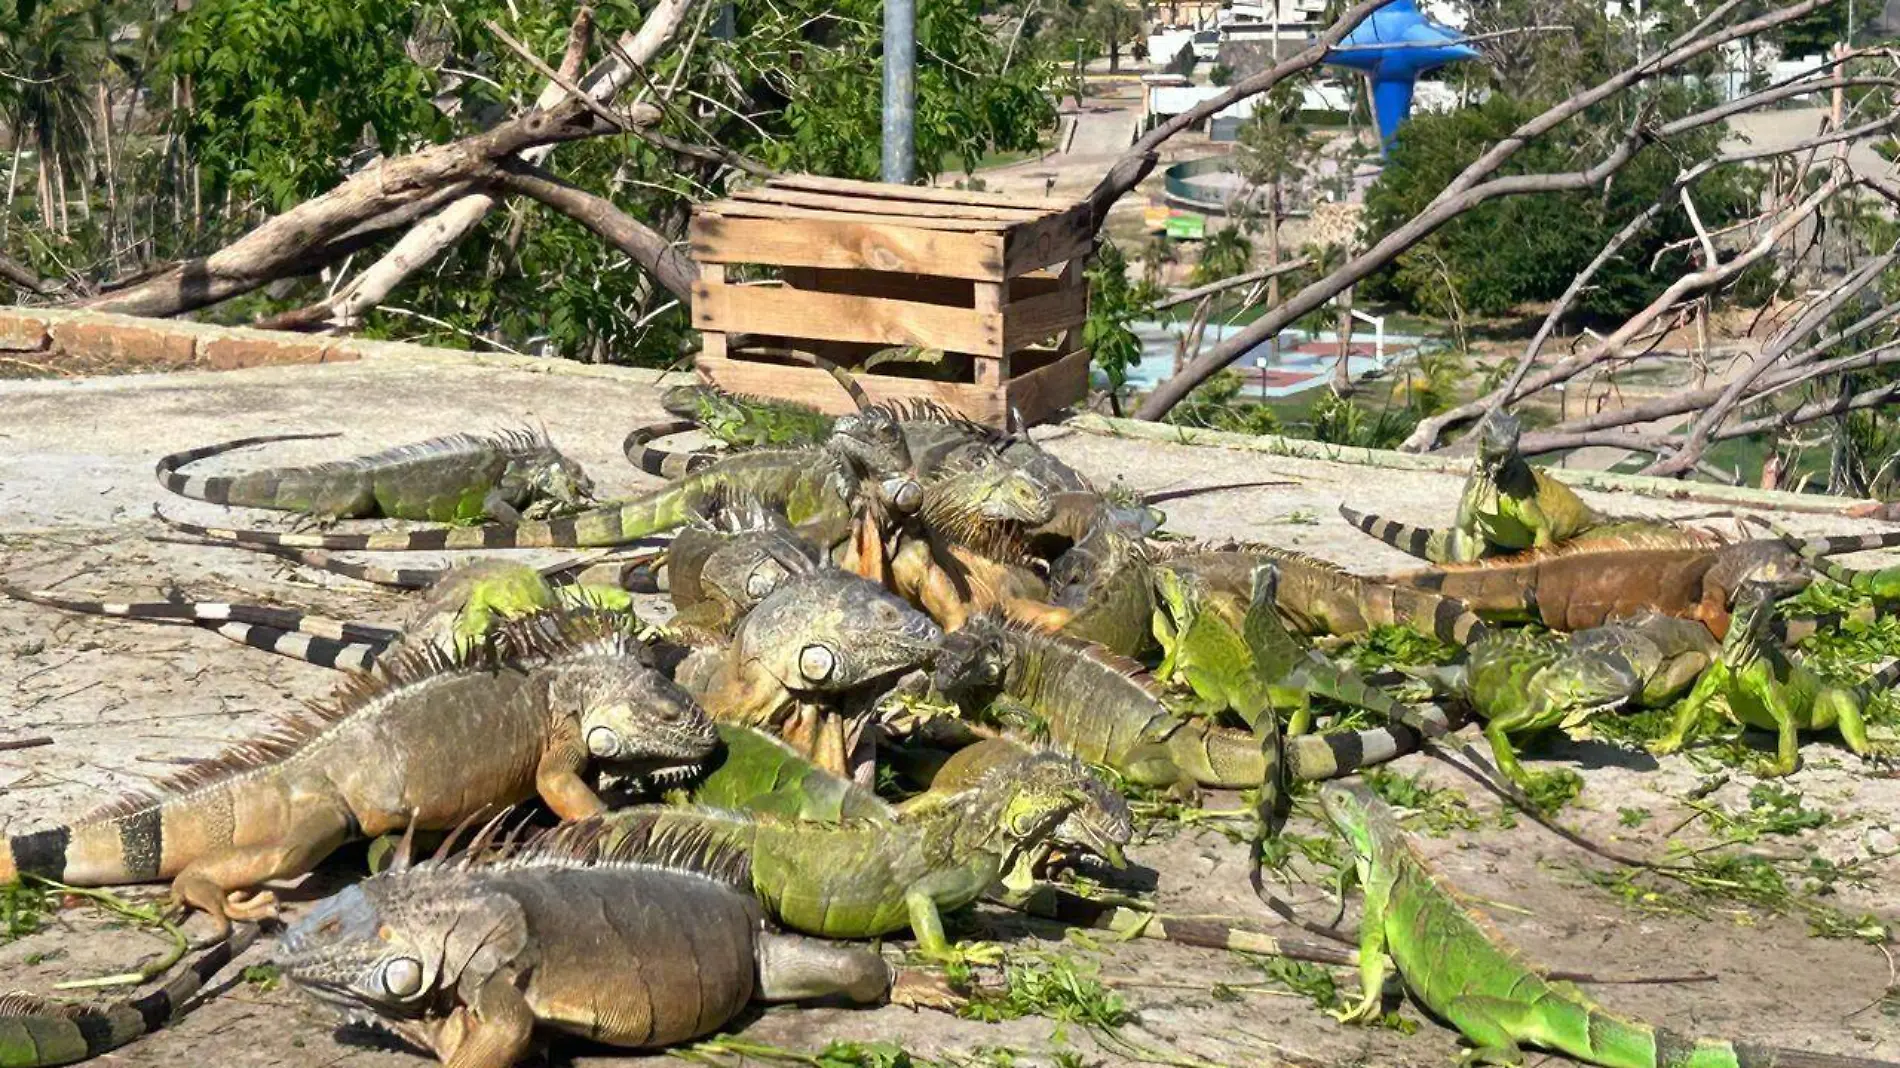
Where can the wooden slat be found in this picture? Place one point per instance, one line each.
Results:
(841, 317)
(1047, 390)
(1068, 236)
(929, 289)
(1026, 322)
(808, 385)
(851, 246)
(745, 209)
(799, 198)
(886, 191)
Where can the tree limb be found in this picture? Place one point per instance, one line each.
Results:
(669, 265)
(1471, 188)
(1233, 282)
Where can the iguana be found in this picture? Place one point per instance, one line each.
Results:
(1881, 584)
(1519, 683)
(1427, 543)
(866, 879)
(464, 606)
(964, 551)
(817, 487)
(385, 752)
(1240, 656)
(1105, 710)
(469, 957)
(1507, 505)
(1766, 688)
(815, 642)
(1316, 597)
(1575, 587)
(39, 1033)
(462, 478)
(1104, 588)
(1459, 968)
(756, 772)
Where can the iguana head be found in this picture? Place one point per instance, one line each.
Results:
(545, 473)
(1497, 437)
(631, 717)
(397, 946)
(873, 443)
(1050, 800)
(1751, 610)
(971, 664)
(832, 631)
(1360, 818)
(988, 506)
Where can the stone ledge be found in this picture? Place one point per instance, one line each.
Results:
(84, 339)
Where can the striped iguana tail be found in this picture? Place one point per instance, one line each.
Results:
(643, 454)
(1234, 759)
(37, 1033)
(608, 525)
(216, 488)
(1439, 545)
(313, 639)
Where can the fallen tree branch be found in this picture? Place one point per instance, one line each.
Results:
(1472, 188)
(1233, 282)
(669, 265)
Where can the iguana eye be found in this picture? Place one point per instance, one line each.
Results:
(402, 977)
(761, 582)
(603, 742)
(907, 496)
(816, 663)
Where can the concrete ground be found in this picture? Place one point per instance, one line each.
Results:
(125, 703)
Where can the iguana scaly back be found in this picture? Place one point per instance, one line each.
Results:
(1456, 965)
(460, 478)
(387, 752)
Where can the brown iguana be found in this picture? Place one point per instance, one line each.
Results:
(816, 642)
(434, 740)
(38, 1033)
(818, 487)
(964, 552)
(469, 957)
(457, 479)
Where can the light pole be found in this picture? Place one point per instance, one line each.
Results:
(900, 90)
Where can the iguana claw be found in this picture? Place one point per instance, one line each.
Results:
(970, 953)
(1365, 1012)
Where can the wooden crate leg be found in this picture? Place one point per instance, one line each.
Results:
(1071, 276)
(991, 373)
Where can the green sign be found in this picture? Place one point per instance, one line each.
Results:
(1187, 227)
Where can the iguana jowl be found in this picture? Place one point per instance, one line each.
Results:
(470, 957)
(432, 742)
(460, 478)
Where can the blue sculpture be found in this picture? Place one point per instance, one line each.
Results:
(1394, 47)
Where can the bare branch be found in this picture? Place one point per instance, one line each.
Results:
(1233, 282)
(670, 266)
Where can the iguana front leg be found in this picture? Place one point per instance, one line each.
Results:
(211, 882)
(1712, 682)
(1374, 965)
(1773, 696)
(1482, 1021)
(497, 509)
(492, 1031)
(558, 780)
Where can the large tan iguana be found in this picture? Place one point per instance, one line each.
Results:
(470, 957)
(434, 740)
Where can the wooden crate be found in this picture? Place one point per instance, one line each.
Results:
(993, 282)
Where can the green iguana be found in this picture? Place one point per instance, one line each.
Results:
(1881, 584)
(1104, 586)
(1507, 505)
(463, 478)
(1458, 967)
(469, 957)
(388, 751)
(38, 1033)
(817, 487)
(1105, 710)
(867, 879)
(1766, 688)
(964, 552)
(1519, 683)
(1241, 656)
(756, 772)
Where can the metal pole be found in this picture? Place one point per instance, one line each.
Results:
(900, 90)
